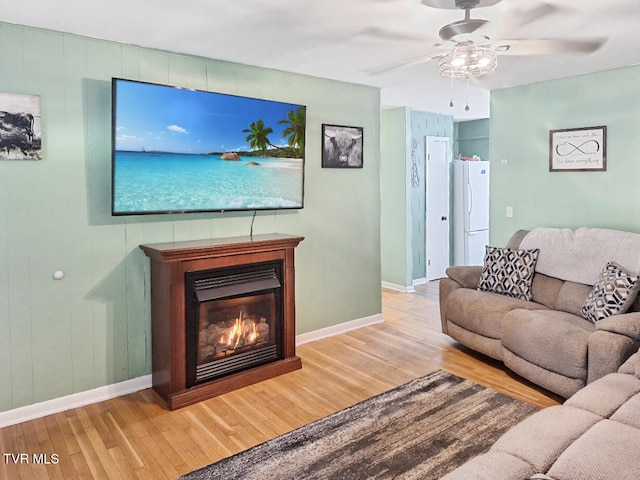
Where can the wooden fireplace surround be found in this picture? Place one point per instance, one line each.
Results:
(169, 263)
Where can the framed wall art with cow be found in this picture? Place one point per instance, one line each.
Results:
(341, 146)
(20, 137)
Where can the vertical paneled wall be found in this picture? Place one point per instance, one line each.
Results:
(423, 124)
(92, 328)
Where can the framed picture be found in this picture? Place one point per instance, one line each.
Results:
(20, 127)
(341, 146)
(578, 149)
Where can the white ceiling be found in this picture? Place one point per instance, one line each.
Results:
(350, 40)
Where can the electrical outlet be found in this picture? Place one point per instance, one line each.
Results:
(509, 212)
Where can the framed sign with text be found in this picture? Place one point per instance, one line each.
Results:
(578, 149)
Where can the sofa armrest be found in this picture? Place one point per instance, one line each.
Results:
(627, 324)
(468, 276)
(457, 277)
(615, 339)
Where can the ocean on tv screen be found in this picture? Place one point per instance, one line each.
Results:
(155, 182)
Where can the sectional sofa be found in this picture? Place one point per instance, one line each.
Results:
(594, 435)
(559, 307)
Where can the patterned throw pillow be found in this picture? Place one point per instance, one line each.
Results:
(508, 271)
(613, 293)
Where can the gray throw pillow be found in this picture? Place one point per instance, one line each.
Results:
(612, 294)
(508, 271)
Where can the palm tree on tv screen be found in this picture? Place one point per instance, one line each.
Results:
(295, 131)
(258, 135)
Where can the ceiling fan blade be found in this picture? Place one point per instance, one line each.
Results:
(515, 19)
(384, 34)
(546, 46)
(407, 63)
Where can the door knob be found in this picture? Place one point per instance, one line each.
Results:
(443, 218)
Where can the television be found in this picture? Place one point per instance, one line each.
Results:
(178, 150)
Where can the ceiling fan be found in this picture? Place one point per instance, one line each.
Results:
(467, 48)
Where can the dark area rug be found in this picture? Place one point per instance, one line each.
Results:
(420, 430)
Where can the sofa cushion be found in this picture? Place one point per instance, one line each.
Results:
(613, 293)
(632, 365)
(541, 437)
(508, 271)
(482, 312)
(629, 413)
(607, 450)
(533, 336)
(549, 380)
(491, 347)
(492, 466)
(545, 290)
(606, 395)
(572, 296)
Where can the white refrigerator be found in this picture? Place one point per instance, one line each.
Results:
(470, 211)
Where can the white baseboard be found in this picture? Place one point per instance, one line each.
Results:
(42, 409)
(76, 400)
(398, 288)
(338, 329)
(419, 281)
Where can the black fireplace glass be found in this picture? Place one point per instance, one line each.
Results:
(234, 320)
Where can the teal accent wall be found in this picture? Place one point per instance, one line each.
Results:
(92, 328)
(423, 124)
(521, 118)
(472, 138)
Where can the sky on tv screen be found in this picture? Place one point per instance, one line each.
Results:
(153, 117)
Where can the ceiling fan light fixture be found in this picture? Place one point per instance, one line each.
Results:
(484, 62)
(467, 61)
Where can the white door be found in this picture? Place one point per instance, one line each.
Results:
(437, 207)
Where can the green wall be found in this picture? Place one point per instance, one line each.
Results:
(92, 328)
(521, 118)
(395, 187)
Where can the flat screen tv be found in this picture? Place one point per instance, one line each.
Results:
(177, 150)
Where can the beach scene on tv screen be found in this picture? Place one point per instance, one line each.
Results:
(180, 150)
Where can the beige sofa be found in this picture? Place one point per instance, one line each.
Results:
(594, 435)
(545, 337)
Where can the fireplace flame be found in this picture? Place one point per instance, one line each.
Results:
(240, 333)
(253, 335)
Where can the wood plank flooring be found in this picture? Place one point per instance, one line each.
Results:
(135, 437)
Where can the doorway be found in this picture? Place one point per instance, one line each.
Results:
(438, 162)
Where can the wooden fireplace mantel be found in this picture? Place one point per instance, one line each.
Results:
(169, 263)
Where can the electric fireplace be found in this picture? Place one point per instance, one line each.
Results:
(234, 320)
(222, 314)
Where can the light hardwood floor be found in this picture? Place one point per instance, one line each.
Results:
(135, 437)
